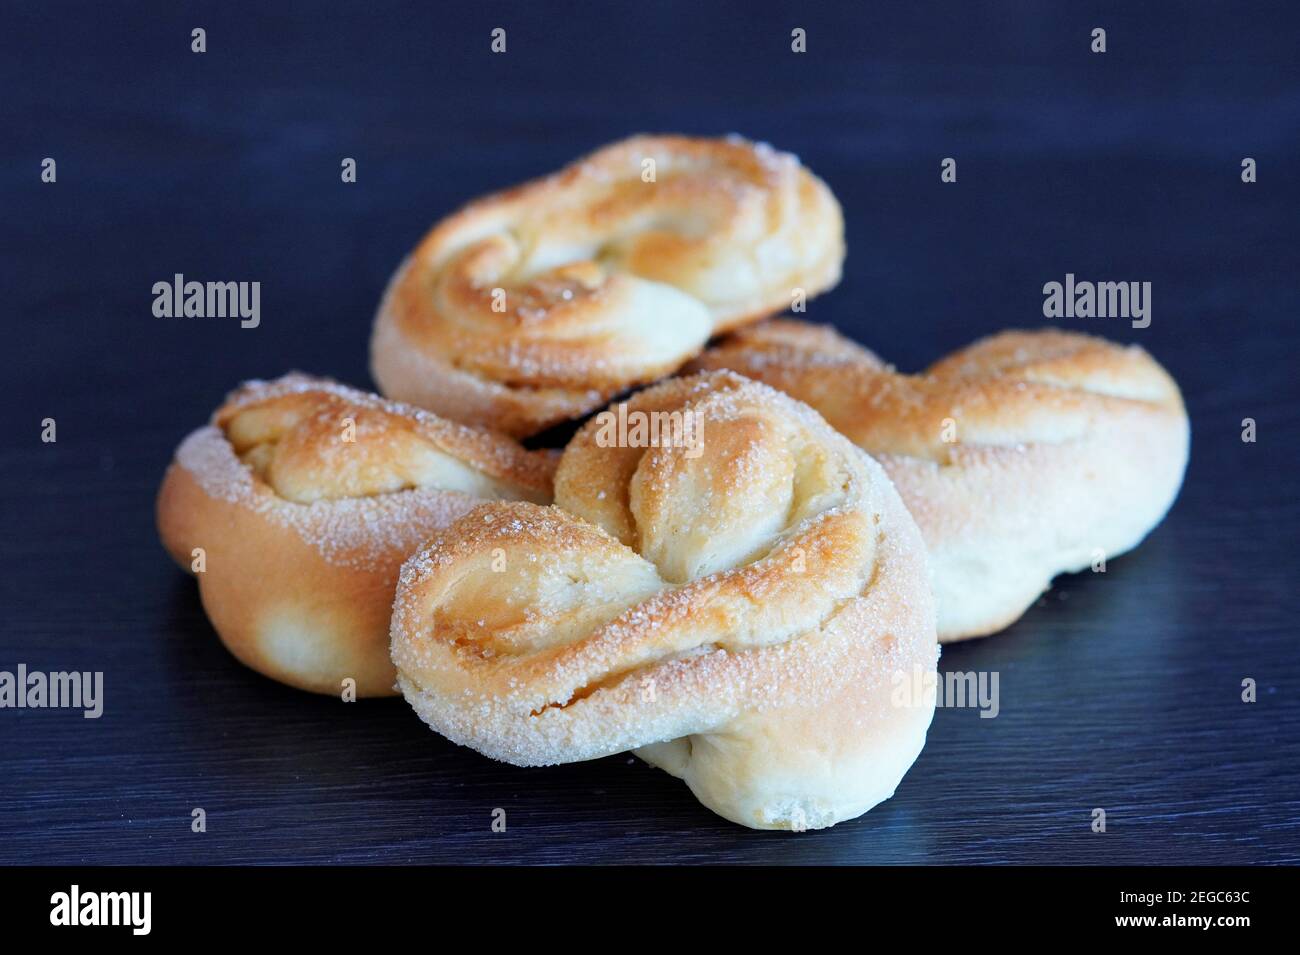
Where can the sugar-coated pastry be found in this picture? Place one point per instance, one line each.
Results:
(296, 506)
(538, 304)
(738, 602)
(1022, 456)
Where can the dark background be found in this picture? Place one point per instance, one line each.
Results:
(1119, 691)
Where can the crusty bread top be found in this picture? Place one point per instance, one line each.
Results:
(311, 438)
(354, 474)
(1016, 387)
(602, 279)
(754, 575)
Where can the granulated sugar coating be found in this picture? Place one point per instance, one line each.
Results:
(666, 604)
(542, 302)
(347, 531)
(295, 507)
(1021, 456)
(403, 474)
(483, 450)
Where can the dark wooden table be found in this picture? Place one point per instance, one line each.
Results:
(1118, 690)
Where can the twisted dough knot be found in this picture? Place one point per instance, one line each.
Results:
(305, 497)
(309, 440)
(1022, 456)
(538, 304)
(736, 615)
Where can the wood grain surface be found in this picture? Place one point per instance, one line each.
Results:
(1119, 691)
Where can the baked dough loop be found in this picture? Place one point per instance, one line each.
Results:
(742, 617)
(1022, 456)
(538, 304)
(305, 497)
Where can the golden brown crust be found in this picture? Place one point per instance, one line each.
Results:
(538, 304)
(739, 616)
(1024, 455)
(305, 497)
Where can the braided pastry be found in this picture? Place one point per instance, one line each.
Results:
(739, 616)
(305, 497)
(1022, 456)
(536, 305)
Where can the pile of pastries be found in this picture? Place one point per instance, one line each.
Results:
(737, 602)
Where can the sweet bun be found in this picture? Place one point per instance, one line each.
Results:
(304, 497)
(740, 610)
(1022, 456)
(538, 304)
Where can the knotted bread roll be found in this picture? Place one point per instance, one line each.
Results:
(304, 497)
(740, 608)
(1022, 456)
(536, 305)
